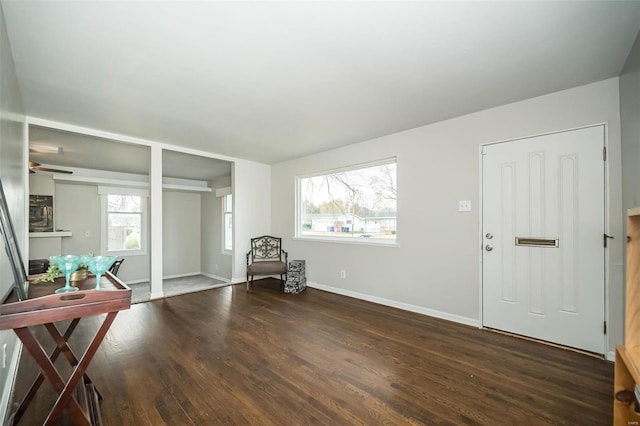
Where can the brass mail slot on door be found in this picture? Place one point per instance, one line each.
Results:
(536, 242)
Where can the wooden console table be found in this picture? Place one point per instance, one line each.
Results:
(627, 367)
(44, 307)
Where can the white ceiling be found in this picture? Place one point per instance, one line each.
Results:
(271, 81)
(89, 152)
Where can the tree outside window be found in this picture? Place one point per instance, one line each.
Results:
(356, 203)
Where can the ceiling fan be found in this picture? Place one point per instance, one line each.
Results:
(35, 167)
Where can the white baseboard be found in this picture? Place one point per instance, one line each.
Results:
(190, 274)
(5, 409)
(216, 277)
(611, 356)
(227, 284)
(136, 281)
(395, 304)
(158, 295)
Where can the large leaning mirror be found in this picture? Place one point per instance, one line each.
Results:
(82, 177)
(195, 255)
(21, 283)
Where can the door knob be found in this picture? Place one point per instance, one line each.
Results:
(488, 247)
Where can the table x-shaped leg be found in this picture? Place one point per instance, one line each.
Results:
(47, 368)
(54, 355)
(62, 346)
(50, 373)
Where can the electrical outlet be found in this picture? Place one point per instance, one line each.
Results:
(216, 267)
(464, 206)
(343, 274)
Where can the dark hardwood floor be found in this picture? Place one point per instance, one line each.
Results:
(225, 356)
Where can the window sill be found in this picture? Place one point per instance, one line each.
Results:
(353, 241)
(125, 253)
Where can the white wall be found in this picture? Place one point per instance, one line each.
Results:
(251, 184)
(41, 184)
(214, 262)
(77, 209)
(181, 242)
(435, 268)
(12, 173)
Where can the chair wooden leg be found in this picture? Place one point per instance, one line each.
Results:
(247, 282)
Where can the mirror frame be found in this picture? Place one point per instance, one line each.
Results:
(21, 282)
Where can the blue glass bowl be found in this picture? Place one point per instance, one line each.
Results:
(67, 265)
(98, 265)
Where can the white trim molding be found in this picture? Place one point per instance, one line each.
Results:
(216, 277)
(221, 192)
(188, 274)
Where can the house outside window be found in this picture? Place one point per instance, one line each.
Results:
(355, 204)
(124, 225)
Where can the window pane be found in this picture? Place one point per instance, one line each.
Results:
(358, 203)
(228, 232)
(124, 203)
(227, 207)
(228, 203)
(124, 231)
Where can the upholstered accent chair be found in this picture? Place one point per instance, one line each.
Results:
(266, 257)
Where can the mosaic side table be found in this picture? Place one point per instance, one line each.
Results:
(296, 279)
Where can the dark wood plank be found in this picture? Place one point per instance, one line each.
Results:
(227, 356)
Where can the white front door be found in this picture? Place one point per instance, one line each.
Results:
(543, 231)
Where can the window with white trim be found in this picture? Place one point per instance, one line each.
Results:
(124, 223)
(351, 204)
(227, 215)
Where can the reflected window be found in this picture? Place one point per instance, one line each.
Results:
(125, 224)
(227, 215)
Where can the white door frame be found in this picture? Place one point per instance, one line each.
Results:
(606, 222)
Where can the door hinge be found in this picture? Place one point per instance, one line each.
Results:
(606, 237)
(605, 327)
(604, 154)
